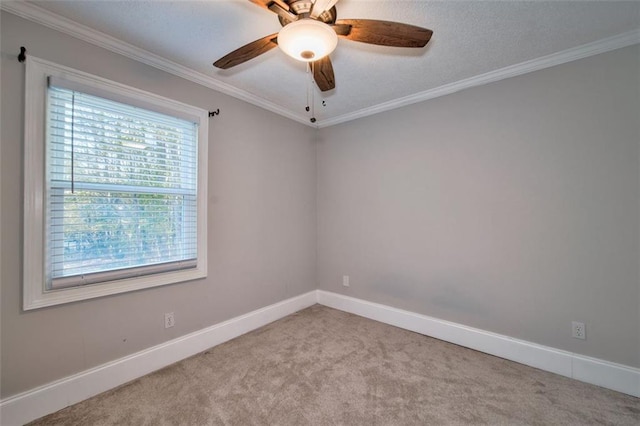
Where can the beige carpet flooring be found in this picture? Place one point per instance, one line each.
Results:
(321, 366)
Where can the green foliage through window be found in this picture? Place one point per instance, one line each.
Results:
(122, 186)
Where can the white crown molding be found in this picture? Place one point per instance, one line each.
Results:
(82, 32)
(558, 58)
(89, 35)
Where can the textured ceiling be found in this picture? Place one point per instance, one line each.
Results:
(470, 38)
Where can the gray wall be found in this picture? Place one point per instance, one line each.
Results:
(511, 207)
(262, 217)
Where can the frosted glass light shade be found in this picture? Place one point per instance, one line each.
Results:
(307, 40)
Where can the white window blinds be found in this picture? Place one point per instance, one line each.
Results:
(121, 189)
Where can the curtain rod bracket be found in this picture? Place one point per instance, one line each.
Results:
(23, 54)
(214, 113)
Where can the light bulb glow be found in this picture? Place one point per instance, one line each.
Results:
(307, 40)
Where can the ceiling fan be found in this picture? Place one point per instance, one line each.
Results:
(310, 33)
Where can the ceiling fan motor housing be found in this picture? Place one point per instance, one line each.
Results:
(302, 8)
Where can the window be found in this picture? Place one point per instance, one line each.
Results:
(115, 188)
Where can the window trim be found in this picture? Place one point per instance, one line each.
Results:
(35, 294)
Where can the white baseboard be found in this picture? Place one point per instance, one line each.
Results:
(38, 402)
(35, 403)
(609, 375)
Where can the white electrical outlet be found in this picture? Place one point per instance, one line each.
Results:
(578, 330)
(169, 320)
(345, 280)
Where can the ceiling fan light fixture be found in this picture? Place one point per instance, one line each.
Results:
(307, 40)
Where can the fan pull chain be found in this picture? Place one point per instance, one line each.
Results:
(310, 95)
(307, 108)
(313, 103)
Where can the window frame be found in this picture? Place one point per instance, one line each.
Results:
(35, 293)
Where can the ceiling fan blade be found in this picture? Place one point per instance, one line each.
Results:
(323, 74)
(248, 51)
(342, 30)
(320, 6)
(386, 33)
